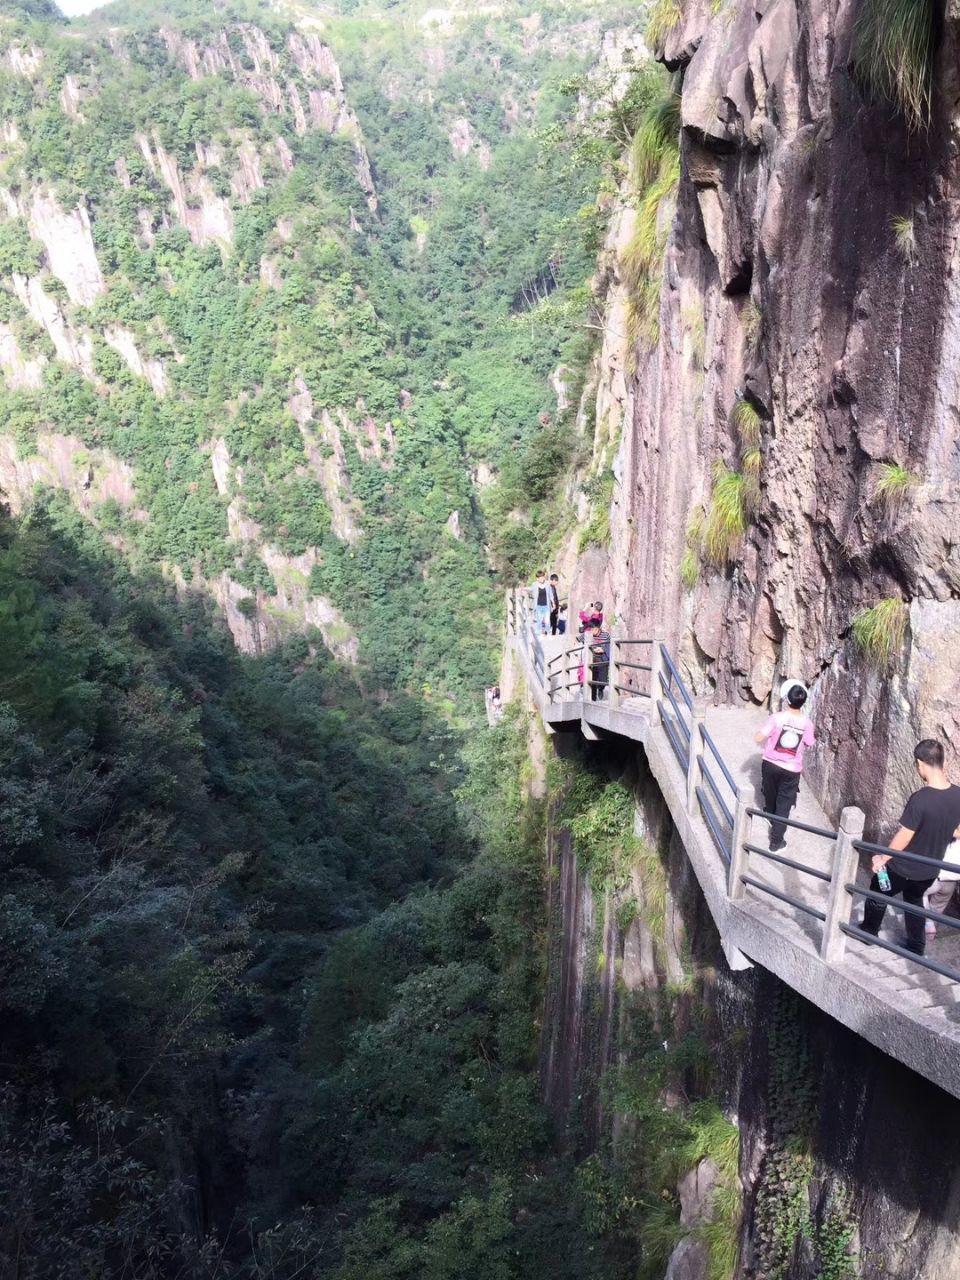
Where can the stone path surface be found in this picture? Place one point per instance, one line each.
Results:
(903, 1008)
(732, 730)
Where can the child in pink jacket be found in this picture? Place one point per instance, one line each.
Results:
(784, 738)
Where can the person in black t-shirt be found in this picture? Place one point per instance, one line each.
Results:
(930, 821)
(554, 603)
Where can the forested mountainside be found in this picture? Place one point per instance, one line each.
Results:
(263, 298)
(271, 929)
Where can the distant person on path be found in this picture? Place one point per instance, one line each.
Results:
(562, 620)
(930, 821)
(598, 645)
(784, 738)
(590, 616)
(554, 603)
(540, 592)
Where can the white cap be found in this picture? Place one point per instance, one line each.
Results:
(788, 685)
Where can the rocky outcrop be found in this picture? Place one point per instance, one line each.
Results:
(68, 239)
(207, 216)
(90, 476)
(71, 346)
(812, 268)
(313, 97)
(19, 373)
(465, 142)
(125, 345)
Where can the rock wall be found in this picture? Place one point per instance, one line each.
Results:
(813, 269)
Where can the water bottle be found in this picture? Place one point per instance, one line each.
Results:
(883, 880)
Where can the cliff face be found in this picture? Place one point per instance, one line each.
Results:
(811, 270)
(847, 1160)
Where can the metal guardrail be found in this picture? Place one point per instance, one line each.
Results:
(728, 808)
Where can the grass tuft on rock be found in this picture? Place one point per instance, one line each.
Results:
(879, 631)
(657, 133)
(664, 16)
(893, 485)
(748, 423)
(905, 235)
(726, 518)
(893, 54)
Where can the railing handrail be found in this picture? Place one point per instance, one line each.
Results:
(676, 676)
(864, 846)
(735, 849)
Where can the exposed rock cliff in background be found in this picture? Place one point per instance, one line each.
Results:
(812, 272)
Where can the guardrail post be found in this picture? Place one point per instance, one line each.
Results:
(697, 717)
(613, 693)
(656, 670)
(844, 871)
(738, 854)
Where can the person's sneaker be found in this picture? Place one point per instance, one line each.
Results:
(777, 845)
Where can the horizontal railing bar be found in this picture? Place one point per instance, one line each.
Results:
(679, 714)
(705, 771)
(617, 640)
(676, 675)
(787, 862)
(633, 666)
(713, 826)
(784, 897)
(926, 912)
(861, 936)
(864, 847)
(792, 822)
(719, 758)
(672, 735)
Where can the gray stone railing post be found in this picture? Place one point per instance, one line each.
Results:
(697, 717)
(844, 871)
(656, 670)
(613, 693)
(738, 854)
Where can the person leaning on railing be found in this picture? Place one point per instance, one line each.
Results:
(930, 821)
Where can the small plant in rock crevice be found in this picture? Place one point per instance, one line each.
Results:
(657, 133)
(690, 560)
(904, 234)
(880, 630)
(894, 484)
(747, 422)
(663, 17)
(695, 326)
(752, 321)
(726, 518)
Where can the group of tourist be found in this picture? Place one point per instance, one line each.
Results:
(928, 827)
(550, 618)
(549, 611)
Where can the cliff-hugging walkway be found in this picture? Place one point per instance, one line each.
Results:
(795, 913)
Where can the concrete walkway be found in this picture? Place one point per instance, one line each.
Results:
(896, 1004)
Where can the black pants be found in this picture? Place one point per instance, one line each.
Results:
(780, 787)
(599, 675)
(912, 891)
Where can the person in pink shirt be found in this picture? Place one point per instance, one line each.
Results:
(784, 738)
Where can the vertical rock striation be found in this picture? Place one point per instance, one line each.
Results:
(812, 269)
